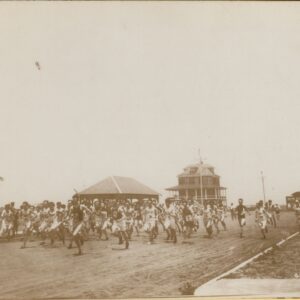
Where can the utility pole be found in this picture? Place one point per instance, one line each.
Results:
(263, 185)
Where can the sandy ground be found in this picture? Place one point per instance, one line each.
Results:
(144, 270)
(281, 263)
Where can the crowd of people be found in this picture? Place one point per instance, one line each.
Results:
(75, 221)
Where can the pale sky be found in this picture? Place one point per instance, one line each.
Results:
(134, 89)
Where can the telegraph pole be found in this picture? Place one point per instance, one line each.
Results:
(263, 185)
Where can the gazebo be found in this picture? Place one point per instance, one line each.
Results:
(118, 188)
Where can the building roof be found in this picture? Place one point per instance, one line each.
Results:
(173, 188)
(199, 164)
(198, 169)
(296, 194)
(118, 185)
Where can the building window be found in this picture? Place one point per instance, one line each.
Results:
(181, 180)
(199, 180)
(193, 170)
(191, 180)
(191, 194)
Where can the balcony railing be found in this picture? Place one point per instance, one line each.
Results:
(198, 185)
(204, 199)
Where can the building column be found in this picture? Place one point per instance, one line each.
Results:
(196, 194)
(186, 194)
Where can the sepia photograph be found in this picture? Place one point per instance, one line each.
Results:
(149, 149)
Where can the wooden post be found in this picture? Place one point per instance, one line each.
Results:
(201, 183)
(263, 186)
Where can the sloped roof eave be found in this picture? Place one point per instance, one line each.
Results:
(119, 185)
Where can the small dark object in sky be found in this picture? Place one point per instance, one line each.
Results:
(38, 65)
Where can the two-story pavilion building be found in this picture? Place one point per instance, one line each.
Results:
(199, 182)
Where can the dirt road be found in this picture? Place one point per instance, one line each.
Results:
(281, 263)
(142, 271)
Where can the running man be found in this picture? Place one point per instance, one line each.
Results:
(170, 220)
(241, 215)
(188, 223)
(119, 226)
(44, 221)
(232, 211)
(7, 222)
(215, 217)
(150, 217)
(138, 219)
(98, 218)
(272, 213)
(77, 222)
(297, 212)
(27, 216)
(221, 211)
(208, 220)
(261, 218)
(57, 229)
(277, 212)
(15, 216)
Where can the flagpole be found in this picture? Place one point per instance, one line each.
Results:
(201, 184)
